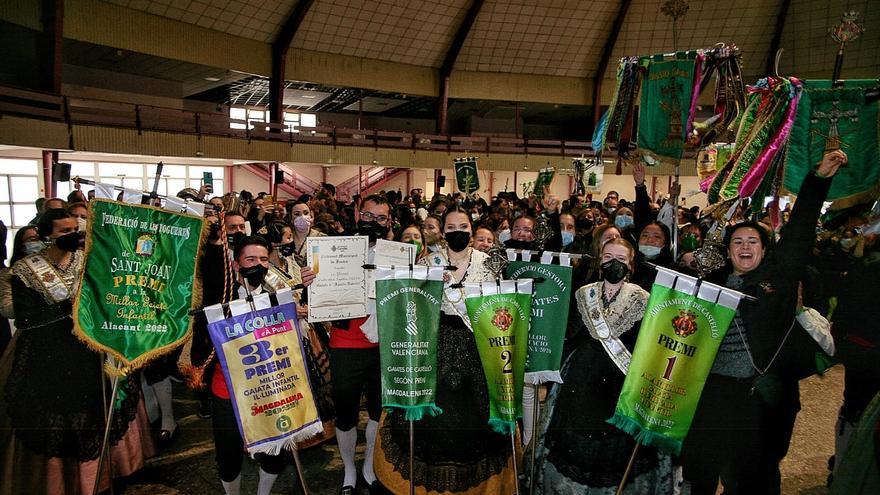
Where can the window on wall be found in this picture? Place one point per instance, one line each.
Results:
(142, 176)
(19, 188)
(292, 120)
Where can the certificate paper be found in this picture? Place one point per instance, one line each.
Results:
(339, 291)
(389, 253)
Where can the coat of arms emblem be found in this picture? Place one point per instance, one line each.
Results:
(502, 319)
(685, 323)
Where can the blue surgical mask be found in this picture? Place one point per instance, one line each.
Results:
(567, 238)
(504, 236)
(650, 252)
(623, 221)
(32, 247)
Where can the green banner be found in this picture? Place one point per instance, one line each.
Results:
(137, 286)
(466, 175)
(677, 343)
(857, 128)
(549, 318)
(501, 329)
(408, 312)
(664, 108)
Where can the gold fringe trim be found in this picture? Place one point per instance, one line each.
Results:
(126, 367)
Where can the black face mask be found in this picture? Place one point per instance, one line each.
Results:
(234, 239)
(458, 240)
(286, 249)
(614, 271)
(513, 244)
(254, 274)
(214, 231)
(69, 242)
(584, 224)
(372, 230)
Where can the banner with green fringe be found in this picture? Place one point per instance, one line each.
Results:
(408, 312)
(139, 281)
(683, 326)
(846, 113)
(500, 314)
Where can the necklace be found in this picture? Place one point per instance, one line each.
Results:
(606, 302)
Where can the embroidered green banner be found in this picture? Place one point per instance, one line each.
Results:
(664, 108)
(408, 312)
(549, 318)
(677, 343)
(137, 286)
(466, 176)
(501, 328)
(858, 130)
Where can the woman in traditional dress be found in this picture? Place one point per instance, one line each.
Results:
(578, 451)
(457, 451)
(52, 407)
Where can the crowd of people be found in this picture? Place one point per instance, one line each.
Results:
(814, 289)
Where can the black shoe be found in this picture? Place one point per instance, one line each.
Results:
(205, 409)
(346, 490)
(167, 437)
(376, 488)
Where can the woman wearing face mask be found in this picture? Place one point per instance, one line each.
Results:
(26, 242)
(572, 239)
(654, 247)
(624, 219)
(58, 438)
(412, 234)
(578, 451)
(457, 451)
(432, 235)
(302, 221)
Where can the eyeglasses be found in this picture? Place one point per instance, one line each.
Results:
(525, 230)
(369, 217)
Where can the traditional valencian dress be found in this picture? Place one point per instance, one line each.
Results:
(578, 451)
(51, 403)
(456, 451)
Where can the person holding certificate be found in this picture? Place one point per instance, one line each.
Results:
(354, 360)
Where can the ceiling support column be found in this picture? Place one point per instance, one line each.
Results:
(279, 60)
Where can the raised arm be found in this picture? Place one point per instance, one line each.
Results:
(798, 235)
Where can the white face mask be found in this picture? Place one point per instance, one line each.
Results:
(302, 223)
(82, 224)
(504, 236)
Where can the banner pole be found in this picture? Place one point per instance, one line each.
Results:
(632, 460)
(412, 476)
(535, 415)
(103, 357)
(299, 470)
(106, 439)
(513, 458)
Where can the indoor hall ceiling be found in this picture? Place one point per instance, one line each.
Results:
(259, 20)
(541, 37)
(558, 38)
(406, 31)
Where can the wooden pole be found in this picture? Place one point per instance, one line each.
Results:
(632, 460)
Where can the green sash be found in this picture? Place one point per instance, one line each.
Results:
(664, 108)
(858, 129)
(499, 315)
(138, 282)
(549, 314)
(408, 312)
(676, 346)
